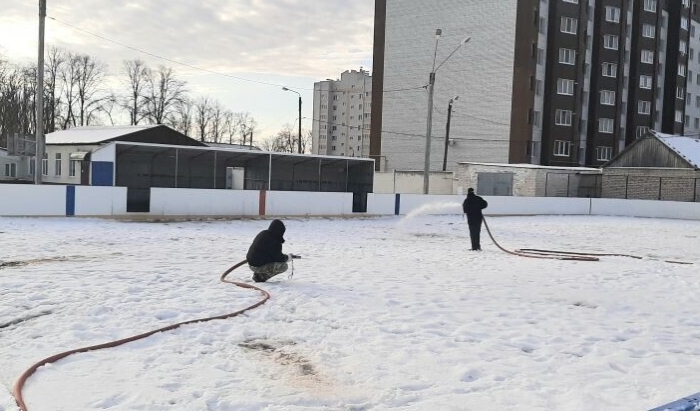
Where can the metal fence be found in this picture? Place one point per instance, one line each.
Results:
(572, 185)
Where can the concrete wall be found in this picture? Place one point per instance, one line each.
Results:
(645, 208)
(307, 203)
(200, 202)
(411, 182)
(381, 204)
(31, 200)
(100, 201)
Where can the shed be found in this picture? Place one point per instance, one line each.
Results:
(655, 167)
(530, 180)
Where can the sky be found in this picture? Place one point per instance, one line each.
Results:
(290, 43)
(387, 313)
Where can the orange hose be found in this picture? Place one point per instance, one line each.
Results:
(17, 389)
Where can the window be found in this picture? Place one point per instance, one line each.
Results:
(603, 153)
(539, 87)
(607, 97)
(569, 25)
(540, 56)
(683, 47)
(562, 148)
(32, 166)
(45, 165)
(543, 25)
(536, 118)
(680, 93)
(606, 125)
(642, 131)
(645, 82)
(565, 87)
(697, 101)
(609, 69)
(647, 56)
(650, 5)
(570, 1)
(696, 122)
(687, 120)
(562, 117)
(681, 69)
(684, 23)
(611, 41)
(649, 31)
(612, 14)
(73, 163)
(679, 116)
(644, 107)
(567, 56)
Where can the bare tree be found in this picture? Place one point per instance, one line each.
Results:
(184, 116)
(217, 121)
(137, 77)
(164, 94)
(231, 126)
(55, 60)
(202, 116)
(68, 75)
(246, 125)
(91, 74)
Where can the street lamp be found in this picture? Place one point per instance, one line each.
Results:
(447, 132)
(299, 140)
(431, 89)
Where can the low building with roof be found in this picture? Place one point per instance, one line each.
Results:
(655, 167)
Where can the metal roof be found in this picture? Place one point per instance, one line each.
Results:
(93, 134)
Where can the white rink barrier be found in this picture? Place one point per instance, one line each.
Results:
(58, 200)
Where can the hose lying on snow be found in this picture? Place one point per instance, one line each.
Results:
(17, 390)
(566, 255)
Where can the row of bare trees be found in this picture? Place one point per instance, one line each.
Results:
(77, 92)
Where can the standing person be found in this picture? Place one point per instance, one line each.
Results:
(472, 207)
(265, 256)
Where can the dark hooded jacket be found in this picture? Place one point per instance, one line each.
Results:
(472, 206)
(267, 246)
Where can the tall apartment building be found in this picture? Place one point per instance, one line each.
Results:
(551, 82)
(342, 115)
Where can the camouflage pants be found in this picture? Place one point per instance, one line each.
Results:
(267, 271)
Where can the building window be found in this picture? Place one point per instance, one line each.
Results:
(562, 117)
(45, 165)
(603, 153)
(611, 41)
(612, 14)
(679, 116)
(647, 56)
(536, 118)
(567, 56)
(73, 163)
(562, 148)
(609, 69)
(687, 120)
(570, 1)
(680, 93)
(569, 25)
(57, 165)
(538, 87)
(32, 166)
(650, 5)
(11, 170)
(697, 101)
(543, 25)
(649, 31)
(684, 23)
(606, 125)
(642, 131)
(565, 87)
(696, 122)
(645, 82)
(607, 97)
(540, 56)
(683, 47)
(681, 69)
(644, 107)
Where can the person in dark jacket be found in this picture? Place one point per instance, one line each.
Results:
(265, 257)
(472, 207)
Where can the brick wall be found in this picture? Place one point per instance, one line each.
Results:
(652, 184)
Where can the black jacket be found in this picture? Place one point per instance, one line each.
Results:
(267, 246)
(472, 206)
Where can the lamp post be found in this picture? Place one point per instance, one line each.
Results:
(431, 90)
(299, 139)
(447, 132)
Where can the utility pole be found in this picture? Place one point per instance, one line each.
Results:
(429, 126)
(447, 133)
(39, 155)
(299, 141)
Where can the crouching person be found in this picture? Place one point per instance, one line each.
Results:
(265, 257)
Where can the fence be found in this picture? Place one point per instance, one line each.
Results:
(572, 185)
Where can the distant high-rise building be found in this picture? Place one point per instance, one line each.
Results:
(342, 115)
(551, 82)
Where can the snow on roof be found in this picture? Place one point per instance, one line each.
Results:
(231, 146)
(92, 134)
(532, 166)
(686, 147)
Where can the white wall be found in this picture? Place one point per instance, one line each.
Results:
(537, 206)
(200, 202)
(411, 182)
(380, 204)
(100, 201)
(646, 208)
(31, 200)
(307, 203)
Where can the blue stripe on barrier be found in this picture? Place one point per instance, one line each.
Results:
(397, 204)
(70, 200)
(690, 403)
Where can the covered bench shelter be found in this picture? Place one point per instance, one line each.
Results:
(140, 166)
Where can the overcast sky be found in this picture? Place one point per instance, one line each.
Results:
(284, 42)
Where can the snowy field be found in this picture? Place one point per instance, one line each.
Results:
(381, 314)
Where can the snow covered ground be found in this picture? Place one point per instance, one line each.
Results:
(381, 314)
